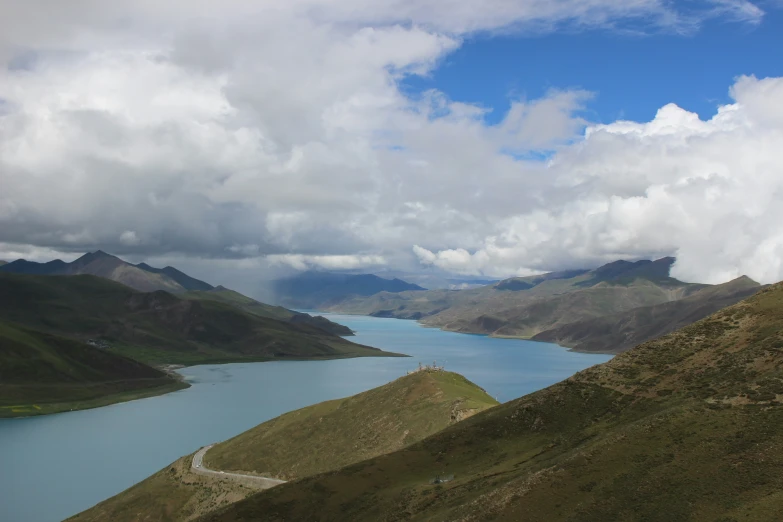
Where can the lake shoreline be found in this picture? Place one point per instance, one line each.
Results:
(491, 336)
(54, 408)
(40, 409)
(77, 460)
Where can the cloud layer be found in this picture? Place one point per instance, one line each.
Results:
(705, 191)
(278, 131)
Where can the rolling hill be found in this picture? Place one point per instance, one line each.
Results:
(315, 290)
(43, 373)
(158, 327)
(315, 439)
(685, 427)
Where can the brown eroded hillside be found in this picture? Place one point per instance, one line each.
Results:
(619, 332)
(526, 306)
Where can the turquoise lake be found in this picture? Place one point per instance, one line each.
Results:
(55, 466)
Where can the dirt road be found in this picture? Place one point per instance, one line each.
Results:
(197, 466)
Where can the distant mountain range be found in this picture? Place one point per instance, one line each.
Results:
(607, 309)
(142, 277)
(432, 281)
(542, 307)
(160, 327)
(625, 330)
(316, 290)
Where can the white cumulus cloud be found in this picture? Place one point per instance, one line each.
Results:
(242, 133)
(707, 192)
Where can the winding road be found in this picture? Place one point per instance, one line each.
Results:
(197, 467)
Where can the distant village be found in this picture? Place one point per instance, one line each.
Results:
(98, 343)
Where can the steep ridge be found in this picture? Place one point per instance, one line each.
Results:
(181, 278)
(144, 278)
(42, 373)
(619, 332)
(315, 439)
(159, 327)
(685, 427)
(99, 264)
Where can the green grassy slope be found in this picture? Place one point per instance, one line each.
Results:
(173, 494)
(340, 432)
(224, 295)
(43, 373)
(616, 333)
(159, 327)
(688, 427)
(315, 439)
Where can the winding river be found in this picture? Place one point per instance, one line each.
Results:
(54, 466)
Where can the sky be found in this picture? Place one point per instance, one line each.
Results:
(240, 138)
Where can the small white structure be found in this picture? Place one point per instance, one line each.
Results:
(427, 368)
